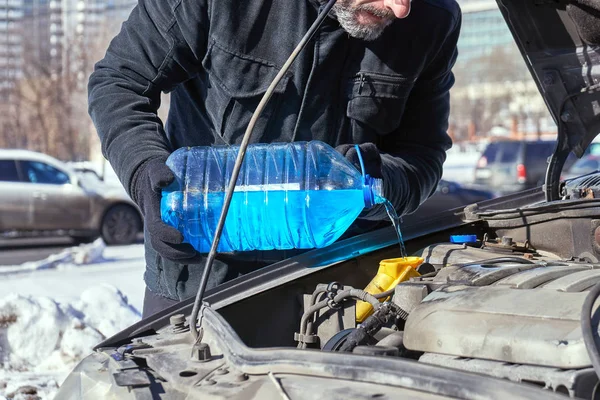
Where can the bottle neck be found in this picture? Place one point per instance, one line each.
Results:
(373, 191)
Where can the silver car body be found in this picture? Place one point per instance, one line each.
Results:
(47, 195)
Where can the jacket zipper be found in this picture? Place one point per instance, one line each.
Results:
(362, 78)
(362, 82)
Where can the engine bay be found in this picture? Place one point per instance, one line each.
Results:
(508, 305)
(497, 316)
(513, 317)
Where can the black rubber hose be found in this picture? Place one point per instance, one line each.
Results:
(369, 327)
(385, 294)
(588, 330)
(341, 296)
(313, 301)
(350, 293)
(309, 313)
(357, 294)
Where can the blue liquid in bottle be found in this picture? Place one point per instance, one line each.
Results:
(289, 195)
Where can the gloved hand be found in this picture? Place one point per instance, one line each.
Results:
(150, 179)
(370, 155)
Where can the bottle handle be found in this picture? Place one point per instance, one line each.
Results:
(362, 164)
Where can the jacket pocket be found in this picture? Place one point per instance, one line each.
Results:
(377, 101)
(237, 83)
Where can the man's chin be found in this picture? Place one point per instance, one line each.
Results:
(368, 34)
(363, 24)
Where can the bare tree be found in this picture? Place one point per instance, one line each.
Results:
(46, 107)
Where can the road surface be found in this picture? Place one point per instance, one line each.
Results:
(18, 251)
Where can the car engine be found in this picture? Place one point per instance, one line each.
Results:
(510, 317)
(500, 307)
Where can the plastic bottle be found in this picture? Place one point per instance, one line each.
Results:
(391, 272)
(288, 195)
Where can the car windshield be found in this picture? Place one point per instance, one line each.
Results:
(491, 152)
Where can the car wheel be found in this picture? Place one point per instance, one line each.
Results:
(120, 225)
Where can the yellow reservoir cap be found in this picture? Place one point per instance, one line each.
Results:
(390, 273)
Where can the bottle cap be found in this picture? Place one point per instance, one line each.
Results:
(368, 194)
(460, 239)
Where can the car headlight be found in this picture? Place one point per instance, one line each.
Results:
(92, 379)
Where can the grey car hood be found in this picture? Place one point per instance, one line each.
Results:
(560, 42)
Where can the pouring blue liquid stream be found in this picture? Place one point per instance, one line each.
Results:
(391, 211)
(389, 208)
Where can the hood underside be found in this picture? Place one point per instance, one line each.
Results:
(560, 42)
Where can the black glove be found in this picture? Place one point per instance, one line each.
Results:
(370, 155)
(150, 178)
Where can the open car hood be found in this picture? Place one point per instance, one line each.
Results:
(560, 42)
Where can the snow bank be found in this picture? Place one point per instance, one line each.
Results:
(47, 339)
(28, 386)
(40, 334)
(107, 309)
(53, 311)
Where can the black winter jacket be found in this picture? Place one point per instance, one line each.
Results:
(217, 58)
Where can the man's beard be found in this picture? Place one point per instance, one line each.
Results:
(347, 16)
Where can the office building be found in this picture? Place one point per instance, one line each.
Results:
(51, 36)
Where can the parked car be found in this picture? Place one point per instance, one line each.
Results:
(42, 195)
(510, 166)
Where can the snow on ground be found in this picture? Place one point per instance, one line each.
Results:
(52, 313)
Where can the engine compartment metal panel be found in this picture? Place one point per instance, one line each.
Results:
(576, 282)
(481, 274)
(578, 383)
(538, 276)
(532, 326)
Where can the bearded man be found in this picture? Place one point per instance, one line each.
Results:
(377, 73)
